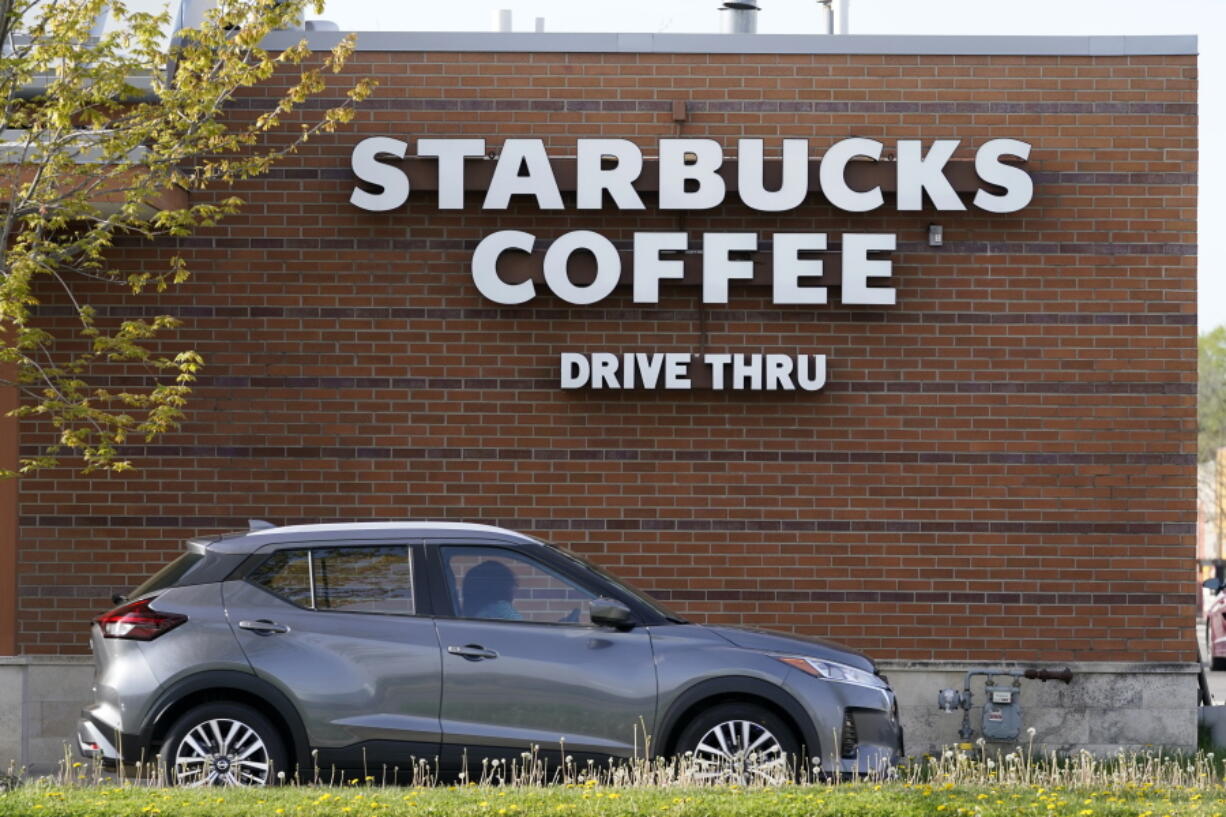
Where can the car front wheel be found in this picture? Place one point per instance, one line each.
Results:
(223, 744)
(739, 743)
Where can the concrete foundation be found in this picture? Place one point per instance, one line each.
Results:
(40, 700)
(1107, 706)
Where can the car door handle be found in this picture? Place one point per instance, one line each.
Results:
(263, 627)
(473, 652)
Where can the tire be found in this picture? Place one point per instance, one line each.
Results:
(713, 742)
(253, 752)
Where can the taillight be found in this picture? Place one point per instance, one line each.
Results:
(137, 622)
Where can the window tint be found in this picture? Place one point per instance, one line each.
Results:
(352, 579)
(363, 579)
(493, 583)
(286, 574)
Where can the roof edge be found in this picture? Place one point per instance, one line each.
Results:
(479, 41)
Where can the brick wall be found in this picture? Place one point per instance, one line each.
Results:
(1002, 466)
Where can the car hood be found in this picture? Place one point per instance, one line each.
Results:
(787, 644)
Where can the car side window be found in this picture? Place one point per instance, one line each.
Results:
(363, 579)
(287, 574)
(499, 584)
(349, 579)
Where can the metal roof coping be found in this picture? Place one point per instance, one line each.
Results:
(556, 42)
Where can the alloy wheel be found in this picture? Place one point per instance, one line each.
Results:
(221, 752)
(740, 751)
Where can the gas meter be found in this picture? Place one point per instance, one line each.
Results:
(1002, 714)
(1001, 718)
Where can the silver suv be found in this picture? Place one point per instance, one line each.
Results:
(373, 646)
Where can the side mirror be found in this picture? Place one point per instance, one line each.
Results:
(1214, 584)
(606, 612)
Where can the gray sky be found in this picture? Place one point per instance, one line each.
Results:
(1205, 18)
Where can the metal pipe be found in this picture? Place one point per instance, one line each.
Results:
(502, 19)
(740, 16)
(828, 13)
(844, 13)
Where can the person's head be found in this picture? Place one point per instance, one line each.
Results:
(487, 583)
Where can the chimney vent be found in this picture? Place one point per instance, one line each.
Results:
(740, 16)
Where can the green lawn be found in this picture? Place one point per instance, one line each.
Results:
(880, 800)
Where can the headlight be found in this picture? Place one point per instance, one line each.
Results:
(832, 671)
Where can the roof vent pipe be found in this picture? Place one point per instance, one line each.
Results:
(502, 20)
(740, 16)
(540, 24)
(844, 16)
(827, 14)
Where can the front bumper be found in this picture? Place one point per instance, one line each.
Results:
(878, 743)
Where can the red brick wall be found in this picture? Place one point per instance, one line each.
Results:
(1001, 467)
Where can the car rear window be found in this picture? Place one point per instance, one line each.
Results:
(169, 575)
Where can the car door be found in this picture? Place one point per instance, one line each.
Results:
(523, 666)
(337, 629)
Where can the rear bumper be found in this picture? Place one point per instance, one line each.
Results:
(92, 744)
(97, 740)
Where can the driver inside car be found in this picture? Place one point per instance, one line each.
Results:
(488, 591)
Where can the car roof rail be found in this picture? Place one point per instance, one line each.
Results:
(259, 524)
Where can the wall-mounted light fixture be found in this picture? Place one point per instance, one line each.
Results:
(936, 235)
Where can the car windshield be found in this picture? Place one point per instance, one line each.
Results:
(625, 587)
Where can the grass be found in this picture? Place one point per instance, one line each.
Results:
(958, 783)
(887, 799)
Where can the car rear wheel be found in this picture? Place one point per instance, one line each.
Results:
(223, 744)
(739, 743)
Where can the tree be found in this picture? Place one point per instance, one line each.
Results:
(1211, 401)
(90, 157)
